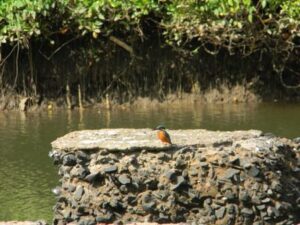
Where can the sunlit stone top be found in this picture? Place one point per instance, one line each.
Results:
(138, 139)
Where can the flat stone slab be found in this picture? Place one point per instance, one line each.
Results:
(138, 139)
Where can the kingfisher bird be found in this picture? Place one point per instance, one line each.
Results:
(163, 135)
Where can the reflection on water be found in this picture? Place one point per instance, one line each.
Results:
(27, 174)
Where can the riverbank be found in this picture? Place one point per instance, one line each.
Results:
(157, 74)
(154, 50)
(223, 95)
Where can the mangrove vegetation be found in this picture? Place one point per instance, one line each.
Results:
(78, 52)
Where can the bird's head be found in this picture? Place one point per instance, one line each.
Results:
(160, 127)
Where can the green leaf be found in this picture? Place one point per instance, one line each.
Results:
(19, 4)
(101, 16)
(250, 17)
(263, 3)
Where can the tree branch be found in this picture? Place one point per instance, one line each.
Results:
(58, 49)
(121, 44)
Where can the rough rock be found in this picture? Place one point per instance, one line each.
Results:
(253, 171)
(93, 177)
(78, 193)
(220, 212)
(124, 179)
(69, 160)
(111, 169)
(205, 177)
(247, 212)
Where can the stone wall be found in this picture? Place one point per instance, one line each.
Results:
(205, 177)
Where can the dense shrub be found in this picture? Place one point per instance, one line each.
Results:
(241, 24)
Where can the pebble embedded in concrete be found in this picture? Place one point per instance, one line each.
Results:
(124, 179)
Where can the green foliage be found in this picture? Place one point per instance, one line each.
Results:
(19, 19)
(220, 22)
(230, 23)
(292, 9)
(23, 19)
(91, 15)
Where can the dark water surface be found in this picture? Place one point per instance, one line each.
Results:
(27, 174)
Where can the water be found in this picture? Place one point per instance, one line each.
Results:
(27, 174)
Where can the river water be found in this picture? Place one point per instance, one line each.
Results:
(27, 174)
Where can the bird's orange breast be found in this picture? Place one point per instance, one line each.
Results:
(164, 137)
